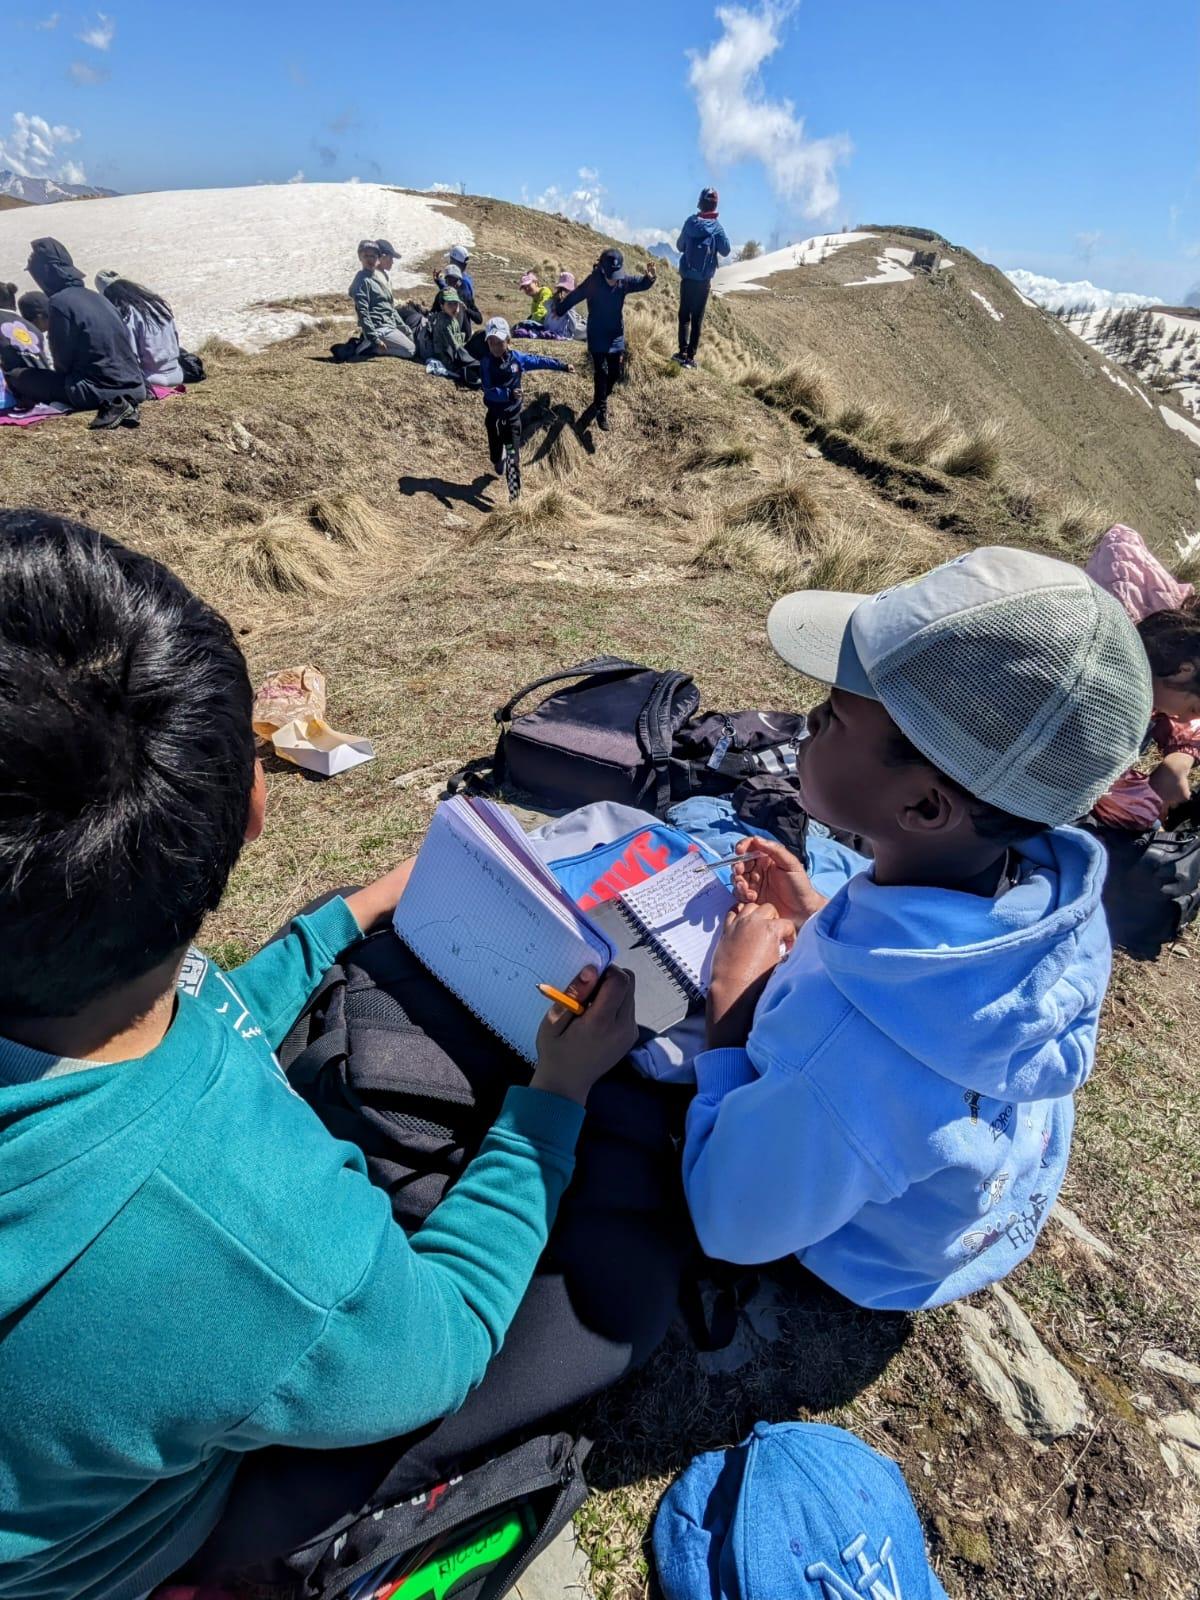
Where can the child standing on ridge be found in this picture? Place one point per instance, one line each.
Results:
(605, 289)
(701, 240)
(892, 1100)
(500, 369)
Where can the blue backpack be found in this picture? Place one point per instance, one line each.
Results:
(700, 257)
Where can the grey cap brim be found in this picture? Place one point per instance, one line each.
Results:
(811, 631)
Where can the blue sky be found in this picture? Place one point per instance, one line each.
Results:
(1059, 136)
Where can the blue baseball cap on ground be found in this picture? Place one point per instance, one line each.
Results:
(799, 1509)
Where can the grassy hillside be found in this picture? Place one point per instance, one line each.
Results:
(1069, 432)
(346, 516)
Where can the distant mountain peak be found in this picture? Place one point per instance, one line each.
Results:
(44, 191)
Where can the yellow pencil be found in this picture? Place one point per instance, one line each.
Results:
(568, 1000)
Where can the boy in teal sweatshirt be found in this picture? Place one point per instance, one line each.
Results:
(193, 1268)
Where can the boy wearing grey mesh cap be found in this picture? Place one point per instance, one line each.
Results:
(888, 1086)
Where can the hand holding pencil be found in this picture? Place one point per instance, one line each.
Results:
(577, 1047)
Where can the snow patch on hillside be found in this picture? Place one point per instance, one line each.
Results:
(996, 316)
(745, 275)
(218, 254)
(1180, 424)
(891, 267)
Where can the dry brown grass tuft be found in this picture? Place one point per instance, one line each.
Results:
(973, 454)
(853, 559)
(564, 455)
(787, 509)
(345, 518)
(799, 386)
(215, 348)
(283, 555)
(918, 442)
(532, 513)
(1076, 523)
(721, 453)
(1187, 568)
(1024, 499)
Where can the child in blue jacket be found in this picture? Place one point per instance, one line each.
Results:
(604, 289)
(701, 241)
(892, 1099)
(500, 369)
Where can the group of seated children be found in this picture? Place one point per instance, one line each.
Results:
(195, 1269)
(452, 337)
(80, 349)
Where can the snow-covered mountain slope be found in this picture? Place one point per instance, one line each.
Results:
(45, 191)
(1160, 345)
(749, 275)
(222, 257)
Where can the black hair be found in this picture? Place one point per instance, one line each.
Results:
(126, 763)
(1172, 639)
(33, 305)
(8, 296)
(990, 822)
(129, 296)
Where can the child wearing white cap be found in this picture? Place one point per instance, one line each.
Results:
(891, 1100)
(500, 370)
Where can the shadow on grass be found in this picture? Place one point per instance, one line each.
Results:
(655, 1421)
(447, 493)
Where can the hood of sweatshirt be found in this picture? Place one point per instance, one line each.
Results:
(75, 1147)
(997, 995)
(51, 267)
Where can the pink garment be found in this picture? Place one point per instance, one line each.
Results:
(163, 391)
(1123, 566)
(26, 419)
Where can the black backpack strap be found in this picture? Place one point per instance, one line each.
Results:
(656, 734)
(308, 1065)
(601, 666)
(296, 1042)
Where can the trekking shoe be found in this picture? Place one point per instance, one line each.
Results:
(602, 421)
(690, 361)
(111, 415)
(132, 418)
(680, 357)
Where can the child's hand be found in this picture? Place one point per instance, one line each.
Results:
(753, 942)
(651, 271)
(778, 878)
(576, 1052)
(373, 906)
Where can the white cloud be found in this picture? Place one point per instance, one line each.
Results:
(440, 188)
(48, 24)
(83, 73)
(100, 34)
(738, 122)
(589, 203)
(34, 148)
(72, 172)
(297, 177)
(1052, 293)
(1086, 242)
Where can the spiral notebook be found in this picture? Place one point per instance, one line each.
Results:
(485, 916)
(666, 930)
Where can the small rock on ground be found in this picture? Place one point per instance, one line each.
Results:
(1173, 1366)
(1035, 1394)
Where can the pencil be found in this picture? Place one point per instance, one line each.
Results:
(725, 861)
(574, 1006)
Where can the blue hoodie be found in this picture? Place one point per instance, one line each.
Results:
(901, 1115)
(700, 242)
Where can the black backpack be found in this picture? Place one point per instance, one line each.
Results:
(1152, 891)
(627, 733)
(192, 367)
(393, 1062)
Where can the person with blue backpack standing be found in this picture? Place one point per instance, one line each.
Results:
(701, 240)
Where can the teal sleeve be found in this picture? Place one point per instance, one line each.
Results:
(276, 983)
(414, 1335)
